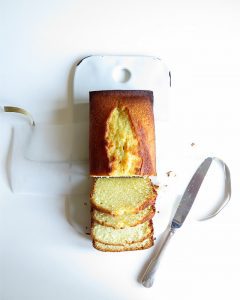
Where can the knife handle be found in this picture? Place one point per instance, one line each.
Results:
(150, 272)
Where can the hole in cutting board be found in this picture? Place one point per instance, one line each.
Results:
(121, 74)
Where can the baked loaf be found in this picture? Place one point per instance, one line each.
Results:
(119, 196)
(122, 140)
(121, 237)
(126, 220)
(147, 243)
(122, 156)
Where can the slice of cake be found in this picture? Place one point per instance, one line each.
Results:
(118, 196)
(126, 220)
(122, 137)
(147, 243)
(121, 237)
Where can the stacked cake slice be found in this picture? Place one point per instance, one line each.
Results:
(122, 209)
(122, 157)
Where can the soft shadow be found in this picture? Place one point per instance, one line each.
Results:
(73, 112)
(154, 252)
(160, 240)
(9, 159)
(78, 111)
(78, 211)
(77, 205)
(175, 205)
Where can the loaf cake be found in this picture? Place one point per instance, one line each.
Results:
(118, 196)
(125, 220)
(121, 138)
(122, 157)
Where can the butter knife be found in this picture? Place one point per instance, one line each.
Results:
(178, 219)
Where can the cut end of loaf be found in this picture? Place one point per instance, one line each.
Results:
(118, 196)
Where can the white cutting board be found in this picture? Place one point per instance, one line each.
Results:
(49, 220)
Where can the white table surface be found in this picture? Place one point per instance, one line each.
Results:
(42, 256)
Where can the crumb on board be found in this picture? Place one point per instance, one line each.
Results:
(88, 233)
(193, 144)
(158, 212)
(154, 239)
(170, 174)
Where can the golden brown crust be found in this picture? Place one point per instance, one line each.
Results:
(123, 248)
(150, 225)
(140, 107)
(143, 220)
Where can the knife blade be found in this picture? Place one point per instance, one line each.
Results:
(190, 193)
(179, 217)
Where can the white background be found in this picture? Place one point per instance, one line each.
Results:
(41, 41)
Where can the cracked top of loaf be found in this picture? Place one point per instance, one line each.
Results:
(122, 137)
